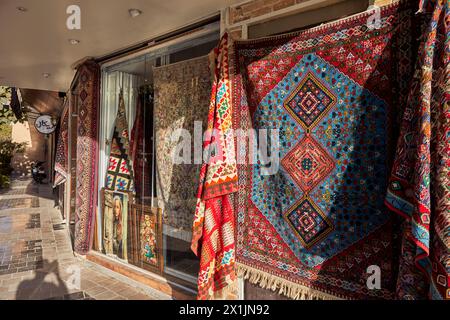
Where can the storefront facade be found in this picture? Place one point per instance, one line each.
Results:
(171, 65)
(129, 207)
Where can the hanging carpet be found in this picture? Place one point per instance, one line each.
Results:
(119, 176)
(419, 188)
(311, 222)
(86, 87)
(182, 92)
(62, 148)
(213, 226)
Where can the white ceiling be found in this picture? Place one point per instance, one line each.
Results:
(36, 41)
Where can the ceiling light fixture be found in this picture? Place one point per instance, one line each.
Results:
(46, 74)
(74, 41)
(134, 12)
(22, 9)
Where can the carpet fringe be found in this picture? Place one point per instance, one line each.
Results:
(224, 293)
(284, 287)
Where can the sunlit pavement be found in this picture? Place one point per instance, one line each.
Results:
(36, 258)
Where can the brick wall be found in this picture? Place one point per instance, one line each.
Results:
(256, 8)
(241, 13)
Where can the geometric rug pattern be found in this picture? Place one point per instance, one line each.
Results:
(119, 176)
(332, 94)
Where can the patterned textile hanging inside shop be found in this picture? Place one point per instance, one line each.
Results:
(87, 86)
(320, 110)
(62, 149)
(119, 176)
(182, 92)
(419, 188)
(140, 144)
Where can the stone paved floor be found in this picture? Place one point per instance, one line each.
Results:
(36, 258)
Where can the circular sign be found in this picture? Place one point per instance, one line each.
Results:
(44, 124)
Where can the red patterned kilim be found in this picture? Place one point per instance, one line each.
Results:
(333, 95)
(419, 188)
(88, 88)
(62, 149)
(213, 227)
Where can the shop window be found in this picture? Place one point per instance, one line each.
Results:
(160, 90)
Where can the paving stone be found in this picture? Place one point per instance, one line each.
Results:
(106, 295)
(96, 290)
(35, 257)
(140, 296)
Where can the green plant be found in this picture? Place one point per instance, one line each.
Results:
(8, 98)
(7, 151)
(5, 131)
(5, 181)
(8, 148)
(5, 95)
(7, 115)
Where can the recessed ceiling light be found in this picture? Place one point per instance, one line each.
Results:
(134, 12)
(22, 9)
(74, 41)
(46, 74)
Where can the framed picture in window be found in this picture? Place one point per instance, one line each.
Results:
(115, 217)
(147, 222)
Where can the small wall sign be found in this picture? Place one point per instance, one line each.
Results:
(44, 124)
